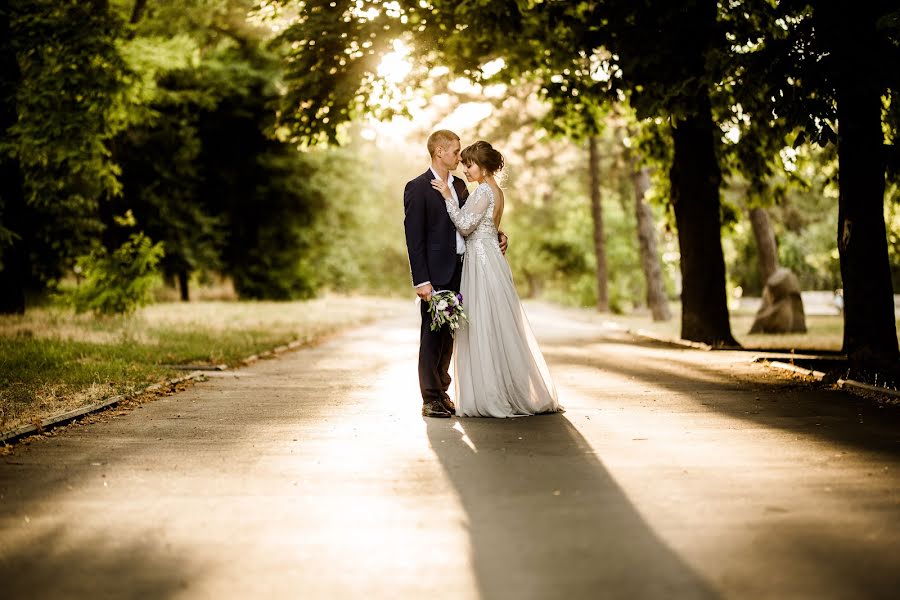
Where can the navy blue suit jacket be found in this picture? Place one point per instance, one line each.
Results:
(430, 234)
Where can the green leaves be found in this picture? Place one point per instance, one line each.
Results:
(71, 81)
(71, 78)
(332, 52)
(120, 281)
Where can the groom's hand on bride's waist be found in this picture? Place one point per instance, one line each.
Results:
(503, 241)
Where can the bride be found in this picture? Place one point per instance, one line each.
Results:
(500, 371)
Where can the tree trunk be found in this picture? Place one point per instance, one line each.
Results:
(646, 232)
(870, 332)
(137, 11)
(765, 243)
(597, 213)
(183, 285)
(14, 268)
(695, 180)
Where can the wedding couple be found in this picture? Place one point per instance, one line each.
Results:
(454, 243)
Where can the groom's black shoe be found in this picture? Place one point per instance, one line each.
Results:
(434, 408)
(448, 405)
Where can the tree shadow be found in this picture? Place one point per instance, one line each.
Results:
(56, 564)
(546, 519)
(799, 407)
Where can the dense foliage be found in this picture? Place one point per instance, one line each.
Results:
(165, 110)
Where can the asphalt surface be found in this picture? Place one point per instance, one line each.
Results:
(673, 473)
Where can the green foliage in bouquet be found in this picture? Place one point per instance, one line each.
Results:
(446, 309)
(117, 282)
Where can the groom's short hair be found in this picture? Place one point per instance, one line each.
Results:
(441, 137)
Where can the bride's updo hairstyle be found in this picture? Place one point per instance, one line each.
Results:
(483, 154)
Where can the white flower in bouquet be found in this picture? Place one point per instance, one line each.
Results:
(446, 308)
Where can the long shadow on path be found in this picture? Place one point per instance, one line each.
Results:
(55, 564)
(748, 394)
(546, 519)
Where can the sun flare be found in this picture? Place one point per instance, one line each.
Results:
(395, 65)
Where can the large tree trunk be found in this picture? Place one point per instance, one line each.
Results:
(14, 269)
(597, 213)
(765, 243)
(695, 180)
(870, 332)
(183, 285)
(646, 232)
(13, 255)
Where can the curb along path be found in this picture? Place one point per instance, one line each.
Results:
(850, 385)
(14, 435)
(197, 374)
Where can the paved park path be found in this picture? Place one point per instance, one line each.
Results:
(674, 473)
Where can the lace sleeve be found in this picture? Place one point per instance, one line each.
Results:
(470, 215)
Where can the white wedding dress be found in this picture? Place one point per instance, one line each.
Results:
(500, 371)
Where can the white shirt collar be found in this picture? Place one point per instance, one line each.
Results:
(449, 174)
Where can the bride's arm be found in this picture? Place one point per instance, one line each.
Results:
(469, 216)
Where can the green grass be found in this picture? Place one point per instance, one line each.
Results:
(52, 360)
(824, 333)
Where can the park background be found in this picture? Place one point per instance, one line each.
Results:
(249, 157)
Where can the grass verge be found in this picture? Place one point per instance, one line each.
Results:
(823, 338)
(52, 360)
(824, 332)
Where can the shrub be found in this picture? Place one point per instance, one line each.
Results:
(119, 282)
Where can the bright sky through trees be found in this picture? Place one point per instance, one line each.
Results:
(390, 92)
(395, 65)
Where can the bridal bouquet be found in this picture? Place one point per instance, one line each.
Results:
(446, 308)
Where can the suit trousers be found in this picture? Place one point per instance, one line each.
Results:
(436, 348)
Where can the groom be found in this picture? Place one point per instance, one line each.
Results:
(436, 252)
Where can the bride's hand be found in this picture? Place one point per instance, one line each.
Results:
(442, 187)
(503, 241)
